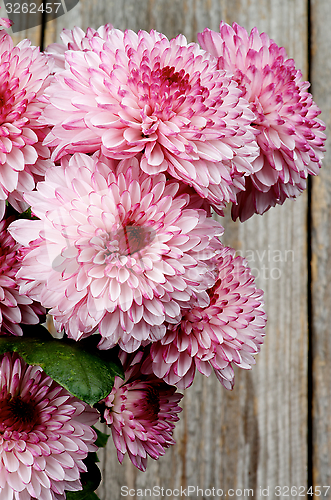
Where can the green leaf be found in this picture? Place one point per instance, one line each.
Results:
(101, 439)
(90, 481)
(74, 495)
(81, 495)
(94, 456)
(80, 367)
(27, 215)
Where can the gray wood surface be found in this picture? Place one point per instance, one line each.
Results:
(256, 435)
(321, 256)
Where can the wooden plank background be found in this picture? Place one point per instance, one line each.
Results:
(273, 429)
(321, 254)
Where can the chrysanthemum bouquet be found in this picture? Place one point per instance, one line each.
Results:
(115, 287)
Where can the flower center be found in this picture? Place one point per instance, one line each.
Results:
(3, 108)
(152, 402)
(17, 415)
(167, 89)
(130, 239)
(8, 252)
(173, 79)
(7, 98)
(143, 400)
(171, 85)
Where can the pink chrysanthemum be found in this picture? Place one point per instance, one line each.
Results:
(45, 433)
(291, 138)
(227, 330)
(116, 250)
(14, 308)
(141, 92)
(75, 39)
(23, 79)
(141, 413)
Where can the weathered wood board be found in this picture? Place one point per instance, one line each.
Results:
(321, 253)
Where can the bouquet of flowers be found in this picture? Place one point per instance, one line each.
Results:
(115, 150)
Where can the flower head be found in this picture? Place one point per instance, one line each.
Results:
(75, 39)
(290, 136)
(141, 413)
(126, 93)
(23, 158)
(114, 249)
(226, 331)
(14, 308)
(45, 433)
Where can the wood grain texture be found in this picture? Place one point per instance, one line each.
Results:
(321, 250)
(256, 435)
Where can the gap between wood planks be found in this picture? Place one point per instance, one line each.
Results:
(43, 26)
